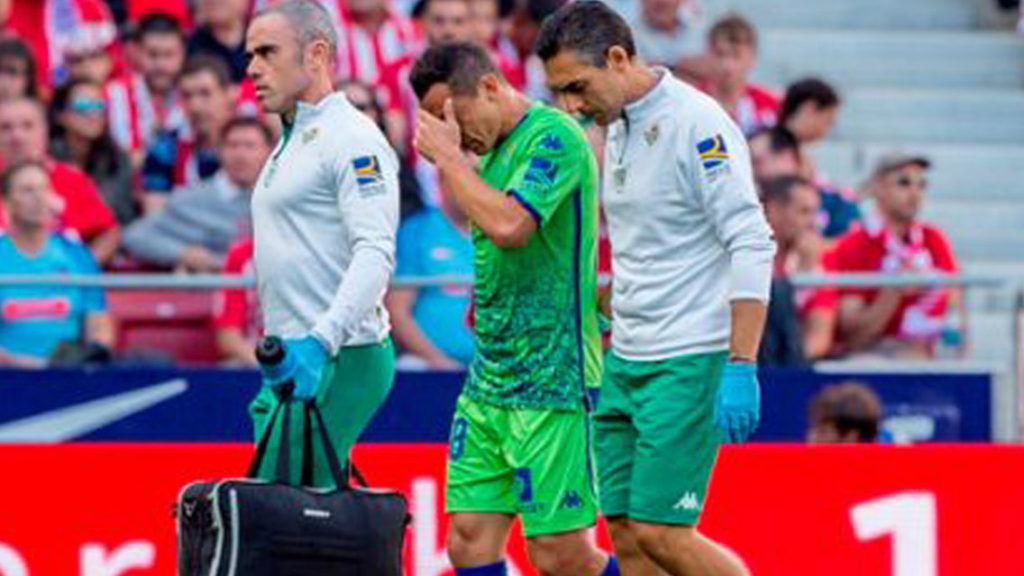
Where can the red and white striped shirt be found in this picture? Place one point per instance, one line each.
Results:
(136, 116)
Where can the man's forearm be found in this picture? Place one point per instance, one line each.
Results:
(494, 212)
(866, 323)
(748, 319)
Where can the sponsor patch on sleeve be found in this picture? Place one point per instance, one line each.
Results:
(368, 175)
(541, 171)
(713, 154)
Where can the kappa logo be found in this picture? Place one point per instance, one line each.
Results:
(687, 502)
(571, 501)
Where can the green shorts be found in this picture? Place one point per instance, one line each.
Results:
(355, 382)
(655, 437)
(534, 463)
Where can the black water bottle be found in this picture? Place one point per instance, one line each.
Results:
(272, 356)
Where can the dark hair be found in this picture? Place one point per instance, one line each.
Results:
(158, 23)
(460, 65)
(103, 151)
(780, 139)
(6, 179)
(815, 90)
(733, 29)
(240, 122)
(15, 49)
(206, 63)
(589, 28)
(420, 9)
(850, 407)
(780, 189)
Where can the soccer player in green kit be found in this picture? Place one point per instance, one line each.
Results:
(520, 441)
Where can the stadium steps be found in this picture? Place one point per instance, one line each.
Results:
(946, 116)
(923, 76)
(960, 172)
(886, 59)
(854, 14)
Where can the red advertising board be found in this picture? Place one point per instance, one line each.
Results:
(105, 510)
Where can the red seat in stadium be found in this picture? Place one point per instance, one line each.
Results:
(176, 324)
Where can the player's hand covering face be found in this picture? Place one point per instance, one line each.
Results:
(438, 139)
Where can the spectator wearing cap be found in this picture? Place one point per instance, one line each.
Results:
(50, 27)
(34, 320)
(236, 318)
(145, 103)
(221, 34)
(846, 413)
(194, 230)
(894, 322)
(776, 152)
(17, 70)
(732, 43)
(430, 323)
(809, 109)
(801, 322)
(185, 155)
(80, 137)
(23, 136)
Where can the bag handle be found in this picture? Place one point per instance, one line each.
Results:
(311, 412)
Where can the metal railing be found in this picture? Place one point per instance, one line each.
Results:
(1012, 395)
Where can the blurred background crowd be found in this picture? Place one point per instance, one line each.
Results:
(130, 140)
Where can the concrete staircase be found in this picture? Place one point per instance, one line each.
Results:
(925, 76)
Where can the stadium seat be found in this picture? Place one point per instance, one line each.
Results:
(164, 325)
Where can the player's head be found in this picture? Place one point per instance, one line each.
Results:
(465, 73)
(844, 413)
(774, 152)
(791, 208)
(898, 184)
(589, 55)
(446, 21)
(28, 195)
(809, 109)
(23, 130)
(161, 51)
(290, 46)
(732, 44)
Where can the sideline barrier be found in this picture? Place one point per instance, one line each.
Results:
(105, 509)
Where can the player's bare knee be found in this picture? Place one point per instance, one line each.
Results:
(564, 555)
(467, 540)
(661, 541)
(624, 538)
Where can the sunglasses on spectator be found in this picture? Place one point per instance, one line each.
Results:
(362, 106)
(905, 181)
(87, 106)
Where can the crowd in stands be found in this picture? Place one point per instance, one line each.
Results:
(130, 140)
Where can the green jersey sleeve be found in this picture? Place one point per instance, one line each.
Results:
(547, 176)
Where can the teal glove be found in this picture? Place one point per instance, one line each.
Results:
(303, 365)
(738, 405)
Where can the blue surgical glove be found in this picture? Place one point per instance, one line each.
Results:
(738, 405)
(303, 364)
